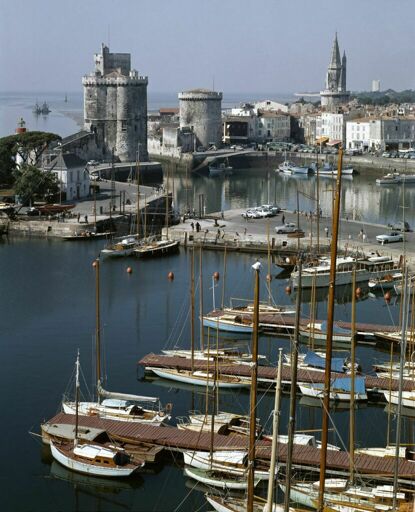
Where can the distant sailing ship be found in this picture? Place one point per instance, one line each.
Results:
(44, 109)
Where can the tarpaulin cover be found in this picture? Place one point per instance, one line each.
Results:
(313, 359)
(336, 329)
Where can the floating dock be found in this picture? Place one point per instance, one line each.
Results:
(306, 458)
(267, 374)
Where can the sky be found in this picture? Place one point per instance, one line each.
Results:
(242, 46)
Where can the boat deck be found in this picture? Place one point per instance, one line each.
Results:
(267, 374)
(304, 457)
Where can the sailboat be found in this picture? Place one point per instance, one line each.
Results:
(92, 459)
(116, 406)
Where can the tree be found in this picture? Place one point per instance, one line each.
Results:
(31, 183)
(23, 144)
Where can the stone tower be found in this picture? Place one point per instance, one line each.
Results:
(335, 92)
(115, 106)
(201, 109)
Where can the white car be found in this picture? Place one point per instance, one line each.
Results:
(393, 236)
(251, 214)
(290, 227)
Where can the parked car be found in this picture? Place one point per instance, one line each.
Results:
(251, 214)
(289, 227)
(272, 209)
(386, 154)
(387, 238)
(92, 162)
(400, 226)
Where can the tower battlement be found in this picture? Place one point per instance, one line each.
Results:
(115, 106)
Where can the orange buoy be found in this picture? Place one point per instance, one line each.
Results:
(129, 270)
(269, 277)
(358, 292)
(216, 276)
(387, 296)
(94, 264)
(288, 289)
(170, 276)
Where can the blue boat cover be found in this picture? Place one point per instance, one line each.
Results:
(344, 384)
(336, 329)
(313, 359)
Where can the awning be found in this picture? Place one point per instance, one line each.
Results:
(322, 140)
(334, 143)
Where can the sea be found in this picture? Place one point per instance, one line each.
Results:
(47, 311)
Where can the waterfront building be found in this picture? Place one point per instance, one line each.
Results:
(73, 177)
(272, 126)
(115, 106)
(335, 92)
(380, 134)
(333, 127)
(201, 111)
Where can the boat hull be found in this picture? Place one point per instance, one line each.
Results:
(323, 280)
(188, 378)
(221, 481)
(89, 469)
(227, 326)
(342, 396)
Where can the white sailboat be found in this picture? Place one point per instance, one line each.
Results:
(115, 406)
(340, 389)
(200, 378)
(91, 459)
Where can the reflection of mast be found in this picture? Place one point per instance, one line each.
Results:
(329, 342)
(97, 328)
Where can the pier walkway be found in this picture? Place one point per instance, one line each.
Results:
(306, 458)
(267, 374)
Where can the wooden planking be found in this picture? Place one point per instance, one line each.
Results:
(265, 372)
(173, 438)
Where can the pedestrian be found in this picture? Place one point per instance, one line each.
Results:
(218, 232)
(364, 237)
(79, 217)
(197, 227)
(245, 230)
(222, 215)
(192, 226)
(326, 230)
(86, 219)
(283, 219)
(361, 233)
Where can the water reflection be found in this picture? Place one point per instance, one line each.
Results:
(361, 198)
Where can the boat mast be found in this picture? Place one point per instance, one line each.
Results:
(97, 328)
(138, 189)
(405, 309)
(275, 428)
(167, 204)
(192, 306)
(353, 374)
(318, 206)
(293, 391)
(252, 409)
(201, 341)
(224, 277)
(329, 342)
(76, 399)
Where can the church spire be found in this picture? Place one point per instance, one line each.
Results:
(335, 54)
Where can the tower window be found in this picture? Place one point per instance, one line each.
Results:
(123, 126)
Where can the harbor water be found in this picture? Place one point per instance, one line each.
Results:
(48, 306)
(47, 309)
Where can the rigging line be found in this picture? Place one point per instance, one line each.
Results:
(185, 498)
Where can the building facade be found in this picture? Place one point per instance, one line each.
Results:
(380, 134)
(115, 106)
(335, 92)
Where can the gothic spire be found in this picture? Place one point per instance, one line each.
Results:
(335, 54)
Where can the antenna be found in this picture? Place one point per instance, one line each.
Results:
(109, 36)
(213, 82)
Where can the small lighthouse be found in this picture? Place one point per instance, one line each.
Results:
(21, 126)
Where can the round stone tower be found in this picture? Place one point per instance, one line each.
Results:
(201, 109)
(115, 106)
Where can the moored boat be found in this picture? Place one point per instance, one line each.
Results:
(228, 322)
(156, 248)
(340, 389)
(93, 459)
(389, 179)
(124, 247)
(288, 167)
(200, 378)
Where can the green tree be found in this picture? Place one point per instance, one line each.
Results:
(23, 144)
(31, 183)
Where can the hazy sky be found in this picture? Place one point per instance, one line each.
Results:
(244, 45)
